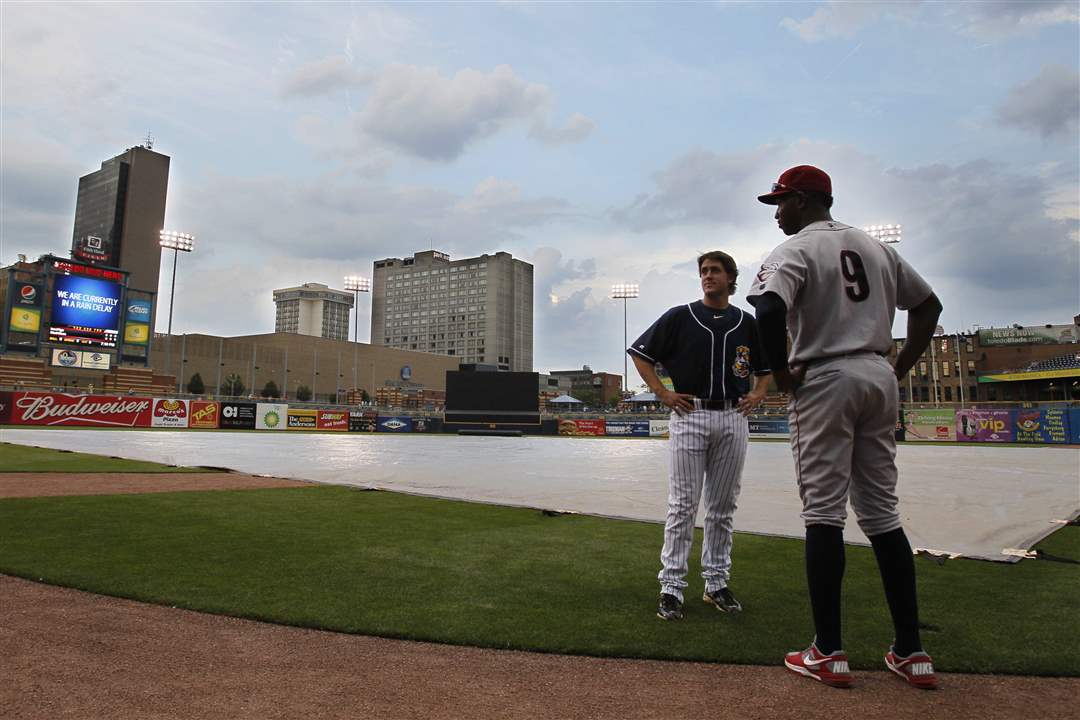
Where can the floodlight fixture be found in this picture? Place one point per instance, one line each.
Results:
(624, 291)
(888, 233)
(178, 241)
(357, 284)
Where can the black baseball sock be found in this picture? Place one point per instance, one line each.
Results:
(897, 568)
(825, 576)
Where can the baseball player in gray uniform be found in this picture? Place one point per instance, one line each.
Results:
(710, 349)
(837, 289)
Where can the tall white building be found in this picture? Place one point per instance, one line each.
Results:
(478, 309)
(313, 309)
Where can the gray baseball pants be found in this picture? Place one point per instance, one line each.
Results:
(842, 420)
(708, 449)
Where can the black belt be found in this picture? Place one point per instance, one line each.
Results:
(726, 404)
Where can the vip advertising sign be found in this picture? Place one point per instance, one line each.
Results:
(335, 420)
(984, 425)
(237, 416)
(170, 413)
(302, 419)
(34, 408)
(271, 416)
(204, 415)
(85, 310)
(394, 424)
(627, 428)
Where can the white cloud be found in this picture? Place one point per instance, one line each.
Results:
(423, 113)
(1008, 17)
(1049, 104)
(838, 19)
(578, 127)
(322, 77)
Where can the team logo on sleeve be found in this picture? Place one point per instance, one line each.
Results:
(741, 366)
(767, 271)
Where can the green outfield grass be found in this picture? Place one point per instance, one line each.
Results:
(402, 566)
(21, 458)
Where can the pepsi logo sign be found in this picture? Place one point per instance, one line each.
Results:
(28, 293)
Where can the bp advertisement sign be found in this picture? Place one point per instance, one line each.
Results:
(1042, 426)
(237, 416)
(271, 416)
(169, 413)
(394, 424)
(627, 428)
(930, 425)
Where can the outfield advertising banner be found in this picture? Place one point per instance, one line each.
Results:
(5, 407)
(627, 428)
(362, 420)
(237, 416)
(302, 419)
(659, 428)
(427, 425)
(1042, 426)
(35, 408)
(271, 416)
(1074, 426)
(984, 425)
(170, 413)
(769, 428)
(333, 420)
(26, 320)
(204, 415)
(930, 425)
(394, 423)
(582, 427)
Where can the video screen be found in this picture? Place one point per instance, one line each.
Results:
(492, 397)
(85, 311)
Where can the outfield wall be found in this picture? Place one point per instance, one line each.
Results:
(947, 425)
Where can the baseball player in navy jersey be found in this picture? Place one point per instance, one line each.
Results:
(710, 349)
(838, 289)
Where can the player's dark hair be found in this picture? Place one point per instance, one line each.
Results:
(825, 200)
(726, 261)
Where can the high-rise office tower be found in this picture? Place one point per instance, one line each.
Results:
(478, 309)
(120, 213)
(313, 309)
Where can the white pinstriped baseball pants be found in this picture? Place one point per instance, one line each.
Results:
(708, 448)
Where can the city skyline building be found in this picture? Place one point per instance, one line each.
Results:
(477, 309)
(119, 213)
(313, 309)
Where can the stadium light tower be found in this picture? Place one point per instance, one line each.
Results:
(624, 291)
(885, 233)
(357, 285)
(177, 242)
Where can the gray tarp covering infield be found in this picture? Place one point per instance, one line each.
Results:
(973, 501)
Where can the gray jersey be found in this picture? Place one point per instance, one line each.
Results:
(841, 288)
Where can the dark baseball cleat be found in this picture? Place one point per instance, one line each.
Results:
(670, 607)
(722, 600)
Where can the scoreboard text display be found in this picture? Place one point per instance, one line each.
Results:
(85, 311)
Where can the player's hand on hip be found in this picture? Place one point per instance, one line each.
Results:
(789, 380)
(749, 402)
(679, 402)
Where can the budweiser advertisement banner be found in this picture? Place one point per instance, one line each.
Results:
(37, 408)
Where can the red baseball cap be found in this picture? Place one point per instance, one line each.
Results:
(801, 178)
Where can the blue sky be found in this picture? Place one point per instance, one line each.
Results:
(602, 142)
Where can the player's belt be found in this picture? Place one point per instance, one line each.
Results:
(727, 404)
(826, 358)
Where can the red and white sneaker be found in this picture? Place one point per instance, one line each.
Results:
(917, 668)
(832, 669)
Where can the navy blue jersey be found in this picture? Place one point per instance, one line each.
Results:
(709, 353)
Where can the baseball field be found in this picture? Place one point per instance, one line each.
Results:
(399, 566)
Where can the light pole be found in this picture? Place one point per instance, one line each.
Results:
(357, 284)
(624, 291)
(177, 242)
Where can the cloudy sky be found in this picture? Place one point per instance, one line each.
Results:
(601, 142)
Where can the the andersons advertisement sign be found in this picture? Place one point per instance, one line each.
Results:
(32, 408)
